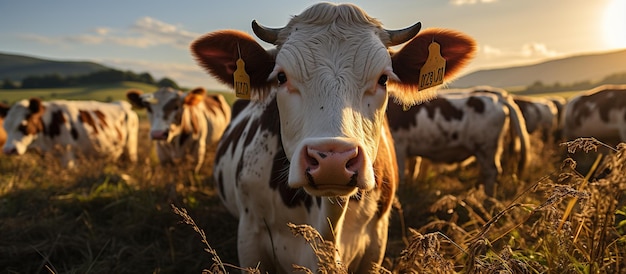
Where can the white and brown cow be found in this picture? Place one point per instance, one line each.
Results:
(183, 124)
(455, 126)
(599, 113)
(67, 128)
(313, 146)
(541, 115)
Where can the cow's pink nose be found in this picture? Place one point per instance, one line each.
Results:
(159, 134)
(331, 166)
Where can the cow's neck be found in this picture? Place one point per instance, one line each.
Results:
(330, 222)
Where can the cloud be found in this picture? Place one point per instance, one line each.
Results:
(470, 2)
(537, 50)
(143, 33)
(528, 50)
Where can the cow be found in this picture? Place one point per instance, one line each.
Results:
(67, 128)
(313, 145)
(540, 114)
(183, 124)
(3, 134)
(598, 113)
(455, 126)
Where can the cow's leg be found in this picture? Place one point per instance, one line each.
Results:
(130, 149)
(249, 247)
(68, 159)
(201, 153)
(489, 162)
(413, 168)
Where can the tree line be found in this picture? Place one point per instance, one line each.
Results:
(540, 87)
(99, 77)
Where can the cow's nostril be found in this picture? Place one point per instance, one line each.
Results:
(312, 162)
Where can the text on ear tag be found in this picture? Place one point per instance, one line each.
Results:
(433, 70)
(242, 80)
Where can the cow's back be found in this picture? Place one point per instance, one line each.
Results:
(218, 114)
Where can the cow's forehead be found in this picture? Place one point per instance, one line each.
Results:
(341, 41)
(163, 96)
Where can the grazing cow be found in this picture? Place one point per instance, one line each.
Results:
(455, 126)
(183, 124)
(599, 113)
(313, 146)
(67, 128)
(541, 114)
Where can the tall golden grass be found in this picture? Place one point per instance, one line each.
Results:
(145, 218)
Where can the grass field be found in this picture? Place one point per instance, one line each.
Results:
(106, 93)
(118, 218)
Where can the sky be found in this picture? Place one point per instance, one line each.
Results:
(154, 35)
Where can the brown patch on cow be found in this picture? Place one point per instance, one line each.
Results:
(34, 122)
(101, 119)
(405, 119)
(386, 171)
(605, 100)
(85, 118)
(476, 104)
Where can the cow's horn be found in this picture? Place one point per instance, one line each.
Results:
(397, 37)
(266, 34)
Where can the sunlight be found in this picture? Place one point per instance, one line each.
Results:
(614, 25)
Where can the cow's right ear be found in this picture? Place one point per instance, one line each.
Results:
(35, 105)
(4, 109)
(134, 97)
(218, 52)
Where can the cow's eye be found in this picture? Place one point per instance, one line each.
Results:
(281, 77)
(382, 80)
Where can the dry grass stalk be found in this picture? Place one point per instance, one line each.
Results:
(328, 260)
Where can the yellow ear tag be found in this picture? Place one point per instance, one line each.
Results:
(242, 80)
(433, 70)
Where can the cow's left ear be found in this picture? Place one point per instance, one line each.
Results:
(195, 96)
(456, 47)
(4, 109)
(219, 51)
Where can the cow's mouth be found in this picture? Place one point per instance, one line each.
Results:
(331, 190)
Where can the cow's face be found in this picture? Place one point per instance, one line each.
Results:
(23, 124)
(329, 74)
(164, 110)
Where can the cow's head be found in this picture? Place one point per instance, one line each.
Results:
(166, 110)
(23, 124)
(329, 72)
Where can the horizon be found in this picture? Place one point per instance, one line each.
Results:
(146, 36)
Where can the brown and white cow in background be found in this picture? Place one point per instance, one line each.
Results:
(541, 115)
(598, 113)
(313, 146)
(183, 124)
(455, 126)
(3, 112)
(67, 128)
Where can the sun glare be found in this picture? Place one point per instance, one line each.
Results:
(614, 25)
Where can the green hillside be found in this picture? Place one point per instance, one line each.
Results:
(108, 92)
(16, 67)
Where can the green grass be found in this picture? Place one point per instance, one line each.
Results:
(106, 92)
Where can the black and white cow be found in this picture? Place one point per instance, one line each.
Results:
(183, 124)
(455, 126)
(541, 115)
(89, 128)
(313, 146)
(599, 113)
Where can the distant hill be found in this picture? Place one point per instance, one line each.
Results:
(16, 67)
(591, 67)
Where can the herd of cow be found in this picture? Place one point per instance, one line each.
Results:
(319, 143)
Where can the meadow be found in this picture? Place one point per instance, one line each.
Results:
(146, 218)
